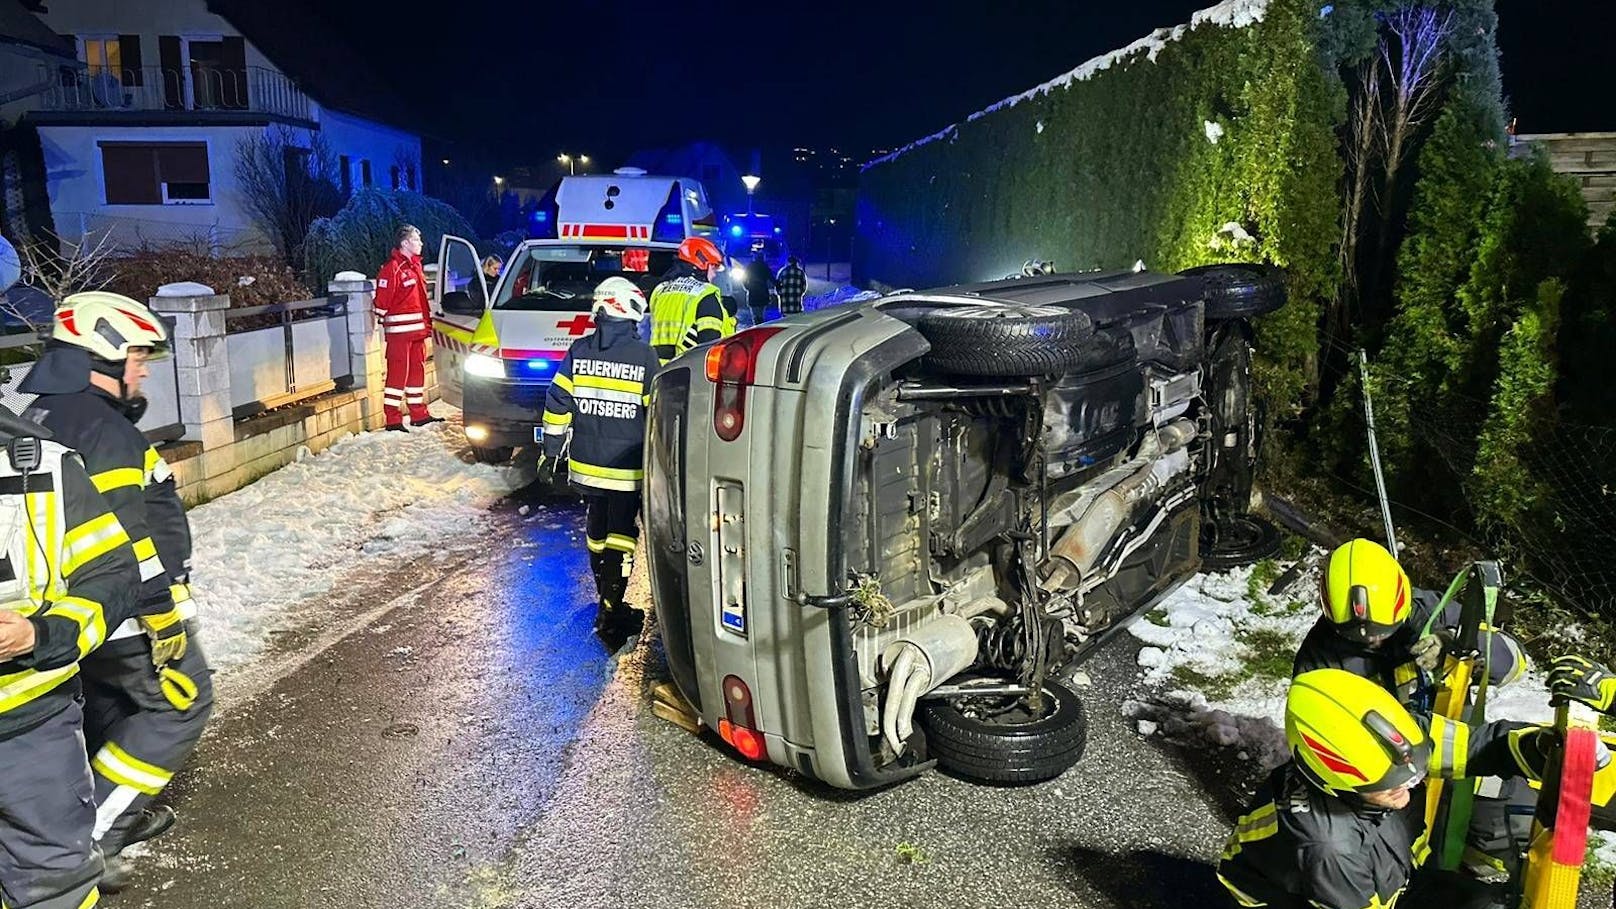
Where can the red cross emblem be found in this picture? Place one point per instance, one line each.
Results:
(577, 325)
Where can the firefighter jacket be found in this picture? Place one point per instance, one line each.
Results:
(401, 299)
(1297, 846)
(685, 312)
(1391, 665)
(138, 487)
(600, 392)
(67, 566)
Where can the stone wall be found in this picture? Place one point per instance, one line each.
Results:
(220, 454)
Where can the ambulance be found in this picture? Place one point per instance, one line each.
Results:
(497, 343)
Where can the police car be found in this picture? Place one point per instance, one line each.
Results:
(497, 347)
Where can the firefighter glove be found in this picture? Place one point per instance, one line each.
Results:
(1577, 678)
(547, 469)
(1429, 650)
(167, 633)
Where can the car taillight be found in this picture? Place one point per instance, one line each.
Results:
(736, 728)
(732, 365)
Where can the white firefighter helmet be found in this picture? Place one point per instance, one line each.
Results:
(108, 325)
(620, 298)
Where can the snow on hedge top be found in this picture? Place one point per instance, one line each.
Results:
(1229, 14)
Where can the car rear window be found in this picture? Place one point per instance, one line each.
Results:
(563, 278)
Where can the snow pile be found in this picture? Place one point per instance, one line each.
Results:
(291, 535)
(1228, 14)
(1214, 130)
(1222, 660)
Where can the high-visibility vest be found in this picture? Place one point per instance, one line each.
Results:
(674, 307)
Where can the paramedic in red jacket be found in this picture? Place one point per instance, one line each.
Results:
(402, 308)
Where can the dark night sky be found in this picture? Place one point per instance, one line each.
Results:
(523, 80)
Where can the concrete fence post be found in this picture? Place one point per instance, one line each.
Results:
(366, 362)
(201, 365)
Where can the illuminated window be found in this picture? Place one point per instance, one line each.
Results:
(103, 55)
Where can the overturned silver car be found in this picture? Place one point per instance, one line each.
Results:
(881, 534)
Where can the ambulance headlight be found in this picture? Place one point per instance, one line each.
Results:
(483, 365)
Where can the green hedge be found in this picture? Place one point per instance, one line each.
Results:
(1120, 167)
(360, 236)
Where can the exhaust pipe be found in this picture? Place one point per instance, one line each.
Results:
(1083, 542)
(925, 657)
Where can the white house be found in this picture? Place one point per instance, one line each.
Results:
(141, 140)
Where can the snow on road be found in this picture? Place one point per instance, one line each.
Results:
(292, 535)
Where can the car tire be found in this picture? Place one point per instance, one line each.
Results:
(491, 455)
(1240, 541)
(1012, 747)
(1239, 291)
(1008, 341)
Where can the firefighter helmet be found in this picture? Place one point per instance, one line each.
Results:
(1348, 734)
(108, 325)
(700, 252)
(620, 298)
(1364, 592)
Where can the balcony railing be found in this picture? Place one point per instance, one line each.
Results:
(253, 89)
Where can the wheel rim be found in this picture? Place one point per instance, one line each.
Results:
(1012, 711)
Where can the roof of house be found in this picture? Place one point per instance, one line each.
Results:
(327, 69)
(19, 26)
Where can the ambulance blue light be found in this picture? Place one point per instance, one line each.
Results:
(538, 365)
(735, 230)
(674, 219)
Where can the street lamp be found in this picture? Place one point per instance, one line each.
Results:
(572, 162)
(751, 182)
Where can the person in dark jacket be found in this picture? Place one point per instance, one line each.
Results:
(759, 285)
(1342, 825)
(69, 576)
(599, 394)
(148, 690)
(793, 284)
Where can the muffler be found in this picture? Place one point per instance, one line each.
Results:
(925, 657)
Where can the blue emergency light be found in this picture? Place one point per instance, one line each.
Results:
(538, 365)
(674, 219)
(735, 230)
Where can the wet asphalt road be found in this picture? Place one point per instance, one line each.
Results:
(449, 734)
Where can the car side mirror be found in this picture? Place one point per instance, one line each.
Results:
(460, 303)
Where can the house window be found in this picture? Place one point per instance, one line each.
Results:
(364, 172)
(156, 173)
(103, 55)
(346, 167)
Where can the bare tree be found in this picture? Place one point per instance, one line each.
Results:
(286, 182)
(1362, 134)
(57, 268)
(1411, 54)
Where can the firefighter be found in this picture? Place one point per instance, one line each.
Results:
(687, 309)
(599, 393)
(1342, 824)
(402, 308)
(1374, 625)
(148, 690)
(68, 574)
